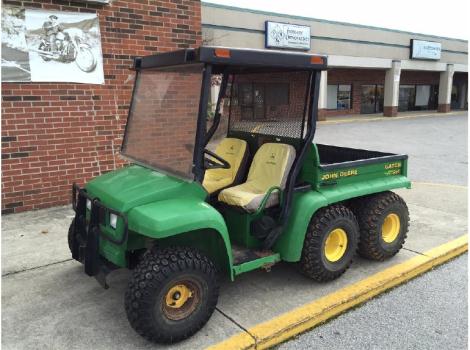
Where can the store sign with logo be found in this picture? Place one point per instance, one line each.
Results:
(287, 36)
(425, 50)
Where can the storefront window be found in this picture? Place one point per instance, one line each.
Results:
(423, 93)
(254, 96)
(339, 97)
(417, 97)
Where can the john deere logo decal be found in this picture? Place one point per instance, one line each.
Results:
(272, 159)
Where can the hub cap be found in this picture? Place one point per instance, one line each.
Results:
(336, 244)
(181, 300)
(177, 296)
(390, 228)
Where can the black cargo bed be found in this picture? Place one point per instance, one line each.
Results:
(335, 157)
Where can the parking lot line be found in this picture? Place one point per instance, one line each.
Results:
(281, 328)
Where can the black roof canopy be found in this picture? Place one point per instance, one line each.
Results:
(242, 58)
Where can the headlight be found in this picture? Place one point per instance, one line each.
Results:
(113, 220)
(88, 204)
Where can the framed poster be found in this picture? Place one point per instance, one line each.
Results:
(50, 46)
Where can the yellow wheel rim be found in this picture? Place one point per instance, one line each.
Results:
(177, 296)
(391, 228)
(336, 244)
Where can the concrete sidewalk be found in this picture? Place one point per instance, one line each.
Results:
(48, 302)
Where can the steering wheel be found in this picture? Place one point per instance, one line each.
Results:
(216, 163)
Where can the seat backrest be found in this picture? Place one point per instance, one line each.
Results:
(271, 165)
(234, 151)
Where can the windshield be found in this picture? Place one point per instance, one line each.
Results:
(161, 127)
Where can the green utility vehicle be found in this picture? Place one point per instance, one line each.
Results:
(221, 191)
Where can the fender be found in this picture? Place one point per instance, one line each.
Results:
(172, 217)
(306, 204)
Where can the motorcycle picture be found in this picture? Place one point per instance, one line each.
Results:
(68, 50)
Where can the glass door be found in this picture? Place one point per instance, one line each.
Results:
(406, 98)
(372, 99)
(368, 99)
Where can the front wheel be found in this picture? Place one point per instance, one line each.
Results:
(85, 59)
(70, 236)
(330, 243)
(172, 294)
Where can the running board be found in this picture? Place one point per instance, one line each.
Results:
(248, 260)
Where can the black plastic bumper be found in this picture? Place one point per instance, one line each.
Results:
(85, 242)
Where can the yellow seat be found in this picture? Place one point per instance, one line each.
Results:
(270, 167)
(234, 151)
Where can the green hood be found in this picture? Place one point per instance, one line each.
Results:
(135, 185)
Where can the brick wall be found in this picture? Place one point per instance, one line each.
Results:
(409, 77)
(54, 134)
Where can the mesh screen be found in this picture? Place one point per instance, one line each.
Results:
(268, 103)
(161, 129)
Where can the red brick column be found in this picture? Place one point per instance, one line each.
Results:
(322, 114)
(443, 108)
(390, 111)
(54, 134)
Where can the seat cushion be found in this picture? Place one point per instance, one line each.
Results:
(213, 183)
(270, 167)
(234, 151)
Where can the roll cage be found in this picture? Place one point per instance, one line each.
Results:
(229, 62)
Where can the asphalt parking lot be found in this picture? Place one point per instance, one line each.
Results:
(429, 312)
(48, 302)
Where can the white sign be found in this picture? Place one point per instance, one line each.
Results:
(287, 36)
(427, 50)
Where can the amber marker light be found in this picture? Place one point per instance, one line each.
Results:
(222, 53)
(316, 60)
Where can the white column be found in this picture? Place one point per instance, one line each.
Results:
(392, 89)
(323, 95)
(214, 96)
(445, 89)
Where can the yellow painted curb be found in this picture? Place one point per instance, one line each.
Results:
(438, 184)
(383, 118)
(281, 328)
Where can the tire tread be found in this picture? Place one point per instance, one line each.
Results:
(156, 267)
(310, 263)
(369, 211)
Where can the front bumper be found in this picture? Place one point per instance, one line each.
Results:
(86, 234)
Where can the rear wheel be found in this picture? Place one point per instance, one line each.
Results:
(172, 294)
(383, 223)
(330, 243)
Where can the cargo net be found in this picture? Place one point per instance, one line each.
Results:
(268, 103)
